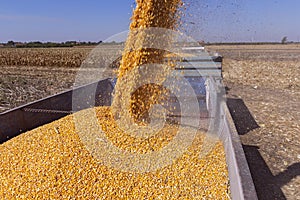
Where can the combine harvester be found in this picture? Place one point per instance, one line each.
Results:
(204, 76)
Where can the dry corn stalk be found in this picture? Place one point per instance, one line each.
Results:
(57, 57)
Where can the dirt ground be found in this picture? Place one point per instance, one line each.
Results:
(23, 84)
(37, 73)
(263, 85)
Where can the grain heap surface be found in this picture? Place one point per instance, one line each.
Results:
(51, 162)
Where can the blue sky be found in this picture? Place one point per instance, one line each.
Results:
(95, 20)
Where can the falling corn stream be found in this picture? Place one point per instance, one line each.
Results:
(51, 162)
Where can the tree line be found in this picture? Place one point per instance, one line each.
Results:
(38, 44)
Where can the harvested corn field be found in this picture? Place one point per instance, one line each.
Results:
(51, 162)
(32, 74)
(265, 78)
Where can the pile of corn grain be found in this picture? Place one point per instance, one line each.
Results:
(51, 162)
